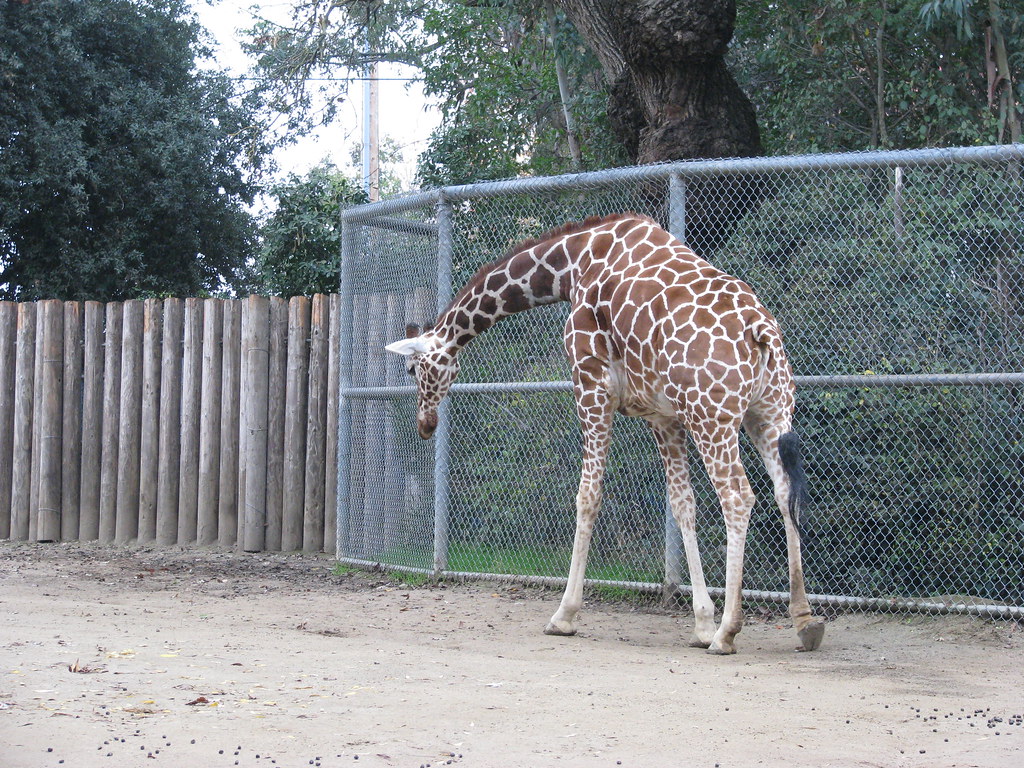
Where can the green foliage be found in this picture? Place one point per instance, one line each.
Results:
(829, 76)
(490, 65)
(493, 69)
(120, 161)
(303, 61)
(302, 237)
(845, 75)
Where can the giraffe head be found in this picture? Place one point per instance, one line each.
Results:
(435, 368)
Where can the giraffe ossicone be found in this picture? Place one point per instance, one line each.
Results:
(653, 331)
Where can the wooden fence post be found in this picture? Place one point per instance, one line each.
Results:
(278, 382)
(373, 517)
(296, 399)
(51, 420)
(227, 504)
(111, 421)
(316, 428)
(243, 424)
(191, 395)
(169, 439)
(149, 447)
(255, 353)
(92, 422)
(129, 425)
(209, 423)
(21, 480)
(71, 429)
(8, 363)
(37, 421)
(419, 508)
(394, 473)
(357, 460)
(333, 385)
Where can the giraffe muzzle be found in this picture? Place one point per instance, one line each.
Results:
(426, 425)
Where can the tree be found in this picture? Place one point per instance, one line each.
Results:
(672, 96)
(120, 161)
(490, 64)
(836, 75)
(997, 24)
(497, 79)
(302, 238)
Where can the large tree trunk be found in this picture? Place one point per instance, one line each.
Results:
(672, 97)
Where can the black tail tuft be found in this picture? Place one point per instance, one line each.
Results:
(792, 463)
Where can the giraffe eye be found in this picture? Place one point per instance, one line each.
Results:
(411, 369)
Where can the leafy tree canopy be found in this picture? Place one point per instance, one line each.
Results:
(490, 64)
(840, 75)
(121, 162)
(824, 76)
(302, 237)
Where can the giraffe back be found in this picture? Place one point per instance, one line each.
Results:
(676, 334)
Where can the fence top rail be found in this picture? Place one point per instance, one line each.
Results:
(906, 158)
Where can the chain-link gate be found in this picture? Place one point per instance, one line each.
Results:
(898, 280)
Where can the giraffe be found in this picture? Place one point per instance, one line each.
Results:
(655, 332)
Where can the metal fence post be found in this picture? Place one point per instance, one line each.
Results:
(677, 206)
(348, 255)
(442, 435)
(673, 537)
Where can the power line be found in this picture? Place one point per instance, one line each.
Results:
(331, 79)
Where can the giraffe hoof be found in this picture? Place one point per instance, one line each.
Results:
(719, 650)
(560, 628)
(696, 642)
(811, 635)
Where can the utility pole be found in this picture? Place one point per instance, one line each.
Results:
(371, 116)
(371, 134)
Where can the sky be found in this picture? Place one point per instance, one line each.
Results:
(405, 114)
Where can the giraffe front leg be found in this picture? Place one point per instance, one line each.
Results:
(595, 417)
(588, 501)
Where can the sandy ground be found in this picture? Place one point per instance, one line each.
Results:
(138, 657)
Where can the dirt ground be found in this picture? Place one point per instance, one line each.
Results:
(138, 657)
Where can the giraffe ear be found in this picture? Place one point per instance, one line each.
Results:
(413, 346)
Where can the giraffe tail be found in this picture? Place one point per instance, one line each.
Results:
(793, 465)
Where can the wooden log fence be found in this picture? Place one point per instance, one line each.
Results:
(196, 422)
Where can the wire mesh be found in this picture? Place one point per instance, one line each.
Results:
(894, 267)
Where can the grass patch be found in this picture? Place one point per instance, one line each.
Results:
(344, 569)
(523, 561)
(540, 561)
(516, 561)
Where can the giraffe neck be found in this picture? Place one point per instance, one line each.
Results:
(530, 277)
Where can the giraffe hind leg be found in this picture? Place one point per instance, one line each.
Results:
(672, 445)
(810, 628)
(780, 451)
(720, 450)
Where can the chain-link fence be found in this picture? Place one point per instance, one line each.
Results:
(898, 280)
